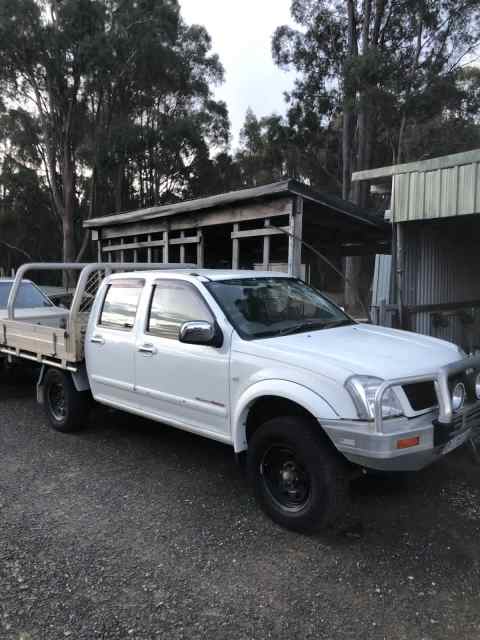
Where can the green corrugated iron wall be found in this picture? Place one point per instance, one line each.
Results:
(439, 188)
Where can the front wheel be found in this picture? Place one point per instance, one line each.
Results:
(66, 408)
(298, 480)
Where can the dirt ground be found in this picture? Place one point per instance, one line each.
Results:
(134, 530)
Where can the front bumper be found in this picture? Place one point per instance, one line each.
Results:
(375, 444)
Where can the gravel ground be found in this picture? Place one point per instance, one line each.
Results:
(133, 530)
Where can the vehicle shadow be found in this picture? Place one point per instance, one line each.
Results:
(381, 505)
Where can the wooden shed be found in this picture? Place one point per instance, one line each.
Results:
(258, 228)
(434, 284)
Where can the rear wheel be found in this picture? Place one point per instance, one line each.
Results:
(298, 480)
(66, 408)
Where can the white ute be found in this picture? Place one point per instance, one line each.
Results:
(31, 304)
(266, 364)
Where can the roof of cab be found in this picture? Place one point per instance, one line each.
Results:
(208, 274)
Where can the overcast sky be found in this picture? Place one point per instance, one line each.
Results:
(241, 32)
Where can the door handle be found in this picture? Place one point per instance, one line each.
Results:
(97, 339)
(148, 349)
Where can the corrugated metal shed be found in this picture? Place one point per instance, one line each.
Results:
(441, 265)
(434, 211)
(381, 280)
(437, 188)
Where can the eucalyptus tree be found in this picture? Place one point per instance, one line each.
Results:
(112, 88)
(381, 65)
(298, 145)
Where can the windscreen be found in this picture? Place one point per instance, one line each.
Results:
(28, 296)
(267, 307)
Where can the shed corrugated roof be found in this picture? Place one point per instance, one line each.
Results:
(275, 189)
(442, 187)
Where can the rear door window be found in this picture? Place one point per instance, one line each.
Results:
(121, 303)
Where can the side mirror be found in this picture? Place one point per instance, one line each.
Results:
(201, 332)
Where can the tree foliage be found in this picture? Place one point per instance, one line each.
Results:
(110, 100)
(389, 68)
(107, 105)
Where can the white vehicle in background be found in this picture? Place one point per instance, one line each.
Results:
(261, 362)
(31, 304)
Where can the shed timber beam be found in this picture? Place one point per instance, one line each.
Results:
(185, 240)
(132, 245)
(433, 164)
(258, 233)
(227, 215)
(149, 244)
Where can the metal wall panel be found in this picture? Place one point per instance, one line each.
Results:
(466, 188)
(441, 265)
(449, 191)
(401, 197)
(436, 193)
(432, 194)
(381, 280)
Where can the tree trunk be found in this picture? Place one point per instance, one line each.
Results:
(351, 267)
(91, 209)
(119, 188)
(348, 102)
(68, 217)
(347, 151)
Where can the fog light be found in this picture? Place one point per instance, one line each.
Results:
(458, 396)
(477, 386)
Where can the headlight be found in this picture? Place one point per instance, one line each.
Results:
(362, 389)
(477, 386)
(458, 396)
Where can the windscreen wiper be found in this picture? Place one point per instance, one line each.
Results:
(338, 323)
(301, 326)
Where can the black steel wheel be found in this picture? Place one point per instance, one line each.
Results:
(285, 477)
(299, 480)
(56, 400)
(66, 408)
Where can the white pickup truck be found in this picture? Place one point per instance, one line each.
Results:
(267, 365)
(31, 303)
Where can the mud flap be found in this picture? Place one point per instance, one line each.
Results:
(40, 385)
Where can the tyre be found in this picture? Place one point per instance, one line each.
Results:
(298, 479)
(66, 408)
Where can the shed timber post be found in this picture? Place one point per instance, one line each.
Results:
(235, 247)
(165, 247)
(200, 249)
(266, 247)
(182, 247)
(295, 238)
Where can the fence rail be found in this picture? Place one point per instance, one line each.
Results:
(7, 273)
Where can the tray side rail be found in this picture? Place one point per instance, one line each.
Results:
(66, 344)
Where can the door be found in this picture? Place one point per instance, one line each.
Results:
(183, 384)
(110, 347)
